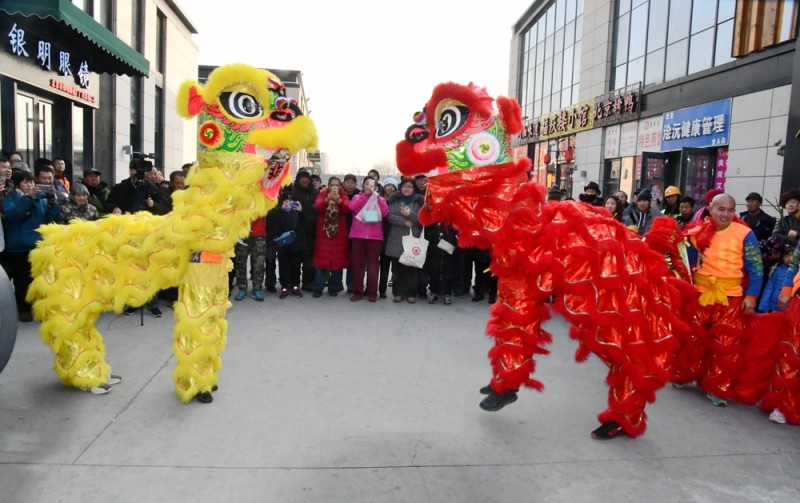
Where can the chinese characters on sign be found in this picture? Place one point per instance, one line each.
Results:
(620, 105)
(701, 126)
(612, 142)
(570, 120)
(17, 44)
(627, 139)
(649, 138)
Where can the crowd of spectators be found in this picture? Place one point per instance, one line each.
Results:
(337, 236)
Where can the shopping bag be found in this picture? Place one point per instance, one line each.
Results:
(371, 212)
(415, 250)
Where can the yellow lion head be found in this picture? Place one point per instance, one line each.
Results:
(245, 110)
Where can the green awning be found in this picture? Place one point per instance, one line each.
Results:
(65, 24)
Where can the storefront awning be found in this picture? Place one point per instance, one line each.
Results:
(61, 20)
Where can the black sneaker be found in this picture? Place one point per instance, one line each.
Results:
(154, 312)
(486, 390)
(130, 310)
(25, 316)
(317, 295)
(494, 402)
(608, 431)
(204, 397)
(433, 299)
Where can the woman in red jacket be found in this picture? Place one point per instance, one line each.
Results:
(331, 250)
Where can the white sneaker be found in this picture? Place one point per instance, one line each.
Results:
(114, 379)
(100, 390)
(777, 417)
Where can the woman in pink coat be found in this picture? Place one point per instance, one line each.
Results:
(331, 247)
(366, 237)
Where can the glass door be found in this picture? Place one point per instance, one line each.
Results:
(34, 128)
(697, 171)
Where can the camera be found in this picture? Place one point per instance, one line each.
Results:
(142, 163)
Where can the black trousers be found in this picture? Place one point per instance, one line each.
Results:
(18, 269)
(289, 263)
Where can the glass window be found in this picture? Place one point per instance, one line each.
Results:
(559, 41)
(678, 21)
(623, 6)
(575, 95)
(538, 82)
(638, 33)
(569, 34)
(576, 64)
(566, 78)
(540, 32)
(654, 72)
(703, 14)
(78, 160)
(578, 28)
(701, 50)
(570, 10)
(556, 101)
(623, 25)
(619, 76)
(550, 19)
(548, 47)
(727, 9)
(786, 21)
(565, 97)
(657, 29)
(547, 86)
(676, 60)
(579, 9)
(100, 13)
(636, 71)
(560, 13)
(724, 45)
(537, 108)
(637, 3)
(540, 52)
(557, 65)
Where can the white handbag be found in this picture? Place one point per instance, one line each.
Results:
(446, 246)
(415, 250)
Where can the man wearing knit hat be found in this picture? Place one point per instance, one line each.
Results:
(640, 218)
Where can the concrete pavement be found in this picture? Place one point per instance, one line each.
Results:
(324, 400)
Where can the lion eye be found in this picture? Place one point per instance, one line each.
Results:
(240, 105)
(451, 119)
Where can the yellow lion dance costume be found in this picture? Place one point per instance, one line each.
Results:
(248, 130)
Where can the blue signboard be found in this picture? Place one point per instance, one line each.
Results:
(706, 125)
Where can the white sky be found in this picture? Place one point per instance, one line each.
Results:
(367, 65)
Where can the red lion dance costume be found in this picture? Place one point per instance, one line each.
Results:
(630, 302)
(625, 302)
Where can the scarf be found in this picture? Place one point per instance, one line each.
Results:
(331, 227)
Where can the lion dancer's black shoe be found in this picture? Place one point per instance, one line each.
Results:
(494, 401)
(205, 396)
(608, 430)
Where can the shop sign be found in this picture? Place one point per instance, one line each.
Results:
(47, 56)
(627, 139)
(612, 142)
(701, 126)
(620, 105)
(721, 172)
(649, 137)
(569, 120)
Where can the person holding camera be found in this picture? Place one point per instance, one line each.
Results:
(298, 215)
(366, 239)
(25, 210)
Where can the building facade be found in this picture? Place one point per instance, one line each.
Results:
(93, 81)
(650, 93)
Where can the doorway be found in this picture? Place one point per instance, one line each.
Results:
(34, 127)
